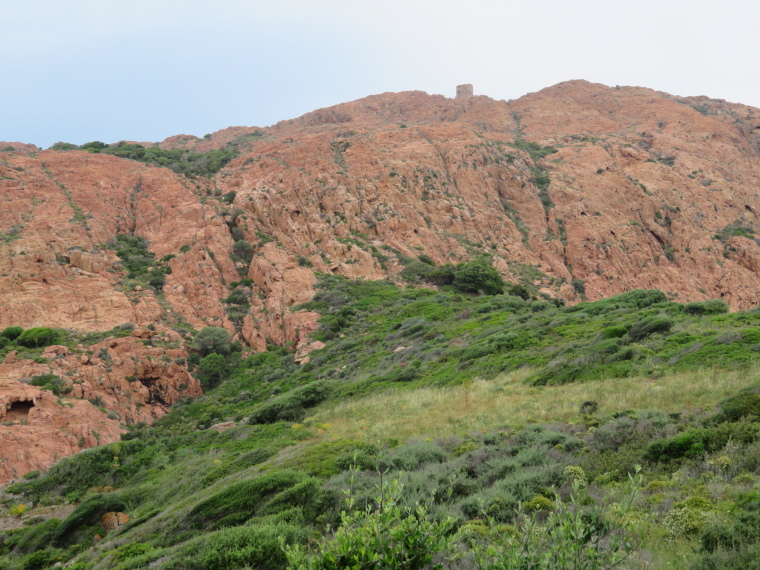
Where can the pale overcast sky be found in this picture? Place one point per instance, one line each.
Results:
(108, 70)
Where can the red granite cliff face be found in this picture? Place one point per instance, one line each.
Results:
(107, 385)
(639, 188)
(644, 190)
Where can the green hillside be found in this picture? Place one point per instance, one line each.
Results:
(435, 427)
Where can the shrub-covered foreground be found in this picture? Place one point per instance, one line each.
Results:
(606, 486)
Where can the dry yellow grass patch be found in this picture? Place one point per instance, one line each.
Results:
(507, 400)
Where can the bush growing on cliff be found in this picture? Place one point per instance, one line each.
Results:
(182, 161)
(139, 262)
(51, 382)
(212, 340)
(475, 276)
(212, 369)
(745, 403)
(60, 145)
(36, 337)
(241, 547)
(11, 333)
(478, 276)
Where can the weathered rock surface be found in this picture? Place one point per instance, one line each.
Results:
(112, 383)
(641, 184)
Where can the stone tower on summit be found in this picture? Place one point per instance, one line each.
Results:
(464, 91)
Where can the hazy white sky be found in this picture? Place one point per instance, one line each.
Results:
(108, 70)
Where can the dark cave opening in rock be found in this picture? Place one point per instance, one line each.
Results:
(156, 396)
(19, 410)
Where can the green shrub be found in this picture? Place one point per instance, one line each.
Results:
(416, 271)
(389, 537)
(43, 559)
(182, 161)
(212, 369)
(696, 442)
(617, 331)
(735, 229)
(132, 550)
(306, 496)
(30, 539)
(62, 146)
(321, 459)
(733, 557)
(640, 298)
(291, 406)
(11, 333)
(36, 337)
(410, 457)
(538, 503)
(51, 382)
(650, 325)
(72, 476)
(579, 286)
(739, 531)
(745, 403)
(258, 546)
(364, 458)
(243, 250)
(534, 149)
(87, 513)
(478, 276)
(241, 501)
(712, 307)
(212, 340)
(574, 535)
(518, 290)
(241, 462)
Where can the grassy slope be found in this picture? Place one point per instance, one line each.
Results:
(483, 399)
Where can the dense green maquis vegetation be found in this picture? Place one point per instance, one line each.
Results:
(181, 161)
(434, 428)
(139, 262)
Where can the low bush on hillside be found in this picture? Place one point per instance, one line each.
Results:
(51, 382)
(712, 307)
(37, 337)
(139, 262)
(212, 340)
(237, 503)
(292, 406)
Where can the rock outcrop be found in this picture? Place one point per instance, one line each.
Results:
(116, 382)
(579, 190)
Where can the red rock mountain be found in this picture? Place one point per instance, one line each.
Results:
(645, 189)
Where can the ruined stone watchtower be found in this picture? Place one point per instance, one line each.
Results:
(464, 91)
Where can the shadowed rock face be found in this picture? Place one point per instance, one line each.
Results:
(645, 190)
